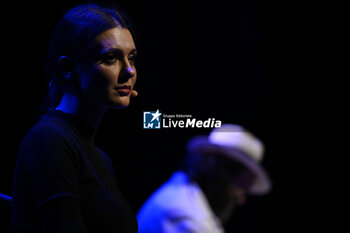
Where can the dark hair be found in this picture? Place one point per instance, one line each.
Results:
(72, 37)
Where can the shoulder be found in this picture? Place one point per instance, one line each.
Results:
(105, 157)
(48, 130)
(103, 154)
(178, 189)
(175, 197)
(47, 138)
(175, 205)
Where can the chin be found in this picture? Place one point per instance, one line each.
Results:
(119, 104)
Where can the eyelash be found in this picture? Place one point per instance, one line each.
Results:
(109, 59)
(132, 59)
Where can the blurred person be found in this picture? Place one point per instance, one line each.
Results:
(63, 182)
(220, 170)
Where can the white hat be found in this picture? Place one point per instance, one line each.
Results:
(236, 143)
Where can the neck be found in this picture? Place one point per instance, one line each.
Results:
(89, 111)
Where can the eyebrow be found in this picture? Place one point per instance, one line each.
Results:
(118, 51)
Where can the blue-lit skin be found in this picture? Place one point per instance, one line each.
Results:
(110, 65)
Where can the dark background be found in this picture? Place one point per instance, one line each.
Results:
(210, 59)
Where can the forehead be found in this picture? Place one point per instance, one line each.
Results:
(120, 38)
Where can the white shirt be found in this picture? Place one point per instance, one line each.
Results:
(178, 206)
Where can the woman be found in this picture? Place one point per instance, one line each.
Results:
(63, 183)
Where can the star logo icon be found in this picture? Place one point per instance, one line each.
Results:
(151, 119)
(156, 115)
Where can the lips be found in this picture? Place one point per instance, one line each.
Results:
(123, 90)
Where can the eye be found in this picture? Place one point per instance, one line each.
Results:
(132, 59)
(109, 58)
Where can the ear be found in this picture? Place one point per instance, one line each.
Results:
(66, 67)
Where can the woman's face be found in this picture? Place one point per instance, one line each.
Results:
(108, 75)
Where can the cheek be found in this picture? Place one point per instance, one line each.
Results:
(98, 79)
(135, 77)
(107, 74)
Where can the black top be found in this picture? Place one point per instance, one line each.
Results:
(63, 183)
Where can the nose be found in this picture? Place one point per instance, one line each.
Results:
(128, 71)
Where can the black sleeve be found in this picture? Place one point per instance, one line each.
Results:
(54, 170)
